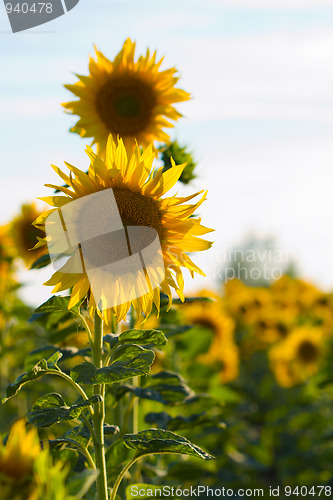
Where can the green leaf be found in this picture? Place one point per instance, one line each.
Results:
(43, 415)
(41, 262)
(144, 492)
(111, 339)
(49, 350)
(110, 430)
(57, 304)
(84, 373)
(143, 337)
(80, 483)
(80, 433)
(153, 441)
(127, 361)
(41, 368)
(165, 387)
(52, 400)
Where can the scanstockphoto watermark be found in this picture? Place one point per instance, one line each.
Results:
(139, 491)
(255, 264)
(24, 15)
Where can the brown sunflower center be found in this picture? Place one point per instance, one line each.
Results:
(205, 322)
(28, 234)
(308, 352)
(135, 210)
(125, 105)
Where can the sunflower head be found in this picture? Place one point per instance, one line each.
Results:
(128, 97)
(95, 269)
(25, 235)
(298, 356)
(20, 452)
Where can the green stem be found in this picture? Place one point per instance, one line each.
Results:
(86, 326)
(72, 383)
(90, 427)
(99, 412)
(127, 467)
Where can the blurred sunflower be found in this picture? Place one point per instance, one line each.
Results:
(138, 192)
(17, 460)
(209, 315)
(25, 236)
(27, 472)
(225, 353)
(126, 98)
(7, 281)
(298, 357)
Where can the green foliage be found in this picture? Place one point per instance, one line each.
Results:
(127, 361)
(166, 387)
(56, 304)
(52, 409)
(41, 368)
(153, 441)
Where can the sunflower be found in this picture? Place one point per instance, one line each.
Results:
(132, 99)
(298, 357)
(139, 192)
(17, 460)
(25, 236)
(225, 353)
(27, 472)
(208, 315)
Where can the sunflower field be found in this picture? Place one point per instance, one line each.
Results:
(124, 384)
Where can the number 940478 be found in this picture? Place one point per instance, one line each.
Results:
(24, 8)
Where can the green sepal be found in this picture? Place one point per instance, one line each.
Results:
(41, 262)
(153, 441)
(52, 409)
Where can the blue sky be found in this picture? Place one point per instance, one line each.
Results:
(260, 122)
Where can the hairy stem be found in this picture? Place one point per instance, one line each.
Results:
(99, 412)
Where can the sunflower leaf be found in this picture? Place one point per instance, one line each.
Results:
(165, 387)
(41, 368)
(80, 433)
(143, 337)
(57, 304)
(49, 410)
(127, 361)
(153, 441)
(84, 373)
(50, 350)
